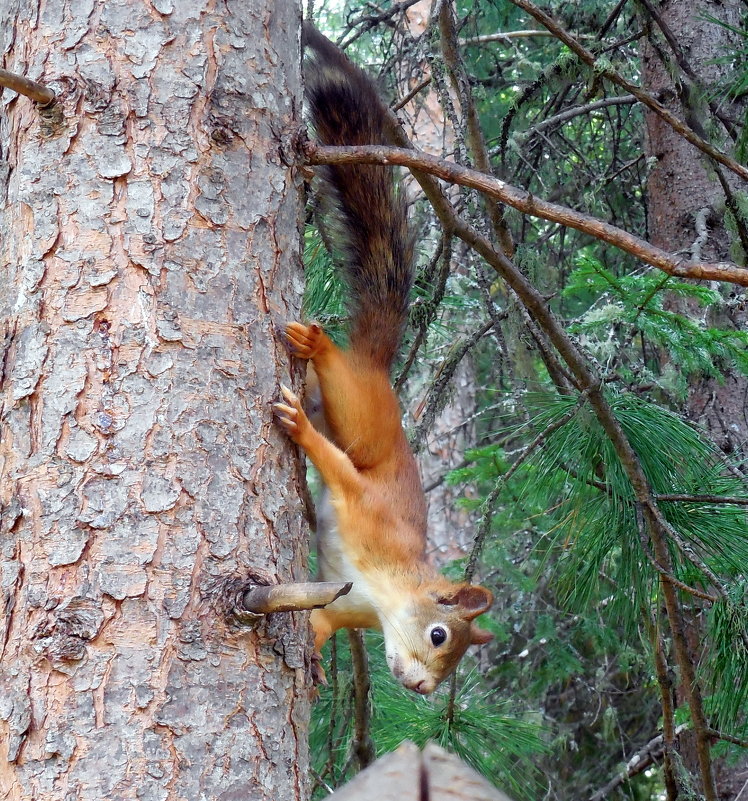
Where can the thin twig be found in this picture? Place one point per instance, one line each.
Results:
(665, 572)
(682, 62)
(563, 381)
(693, 557)
(651, 102)
(729, 738)
(640, 761)
(439, 386)
(507, 37)
(369, 21)
(363, 745)
(443, 253)
(476, 141)
(653, 751)
(413, 92)
(576, 111)
(740, 501)
(668, 709)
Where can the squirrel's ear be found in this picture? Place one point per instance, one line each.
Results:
(473, 600)
(479, 636)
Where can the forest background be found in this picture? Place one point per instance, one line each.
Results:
(592, 467)
(573, 382)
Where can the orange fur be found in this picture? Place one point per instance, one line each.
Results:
(372, 525)
(378, 536)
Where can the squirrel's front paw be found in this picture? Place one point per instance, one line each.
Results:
(305, 341)
(291, 415)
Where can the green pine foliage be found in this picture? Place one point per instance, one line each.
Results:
(488, 732)
(634, 307)
(582, 539)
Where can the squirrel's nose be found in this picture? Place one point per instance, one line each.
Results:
(418, 686)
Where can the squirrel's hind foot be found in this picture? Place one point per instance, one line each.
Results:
(317, 671)
(291, 416)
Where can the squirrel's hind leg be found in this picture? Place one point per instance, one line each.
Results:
(360, 407)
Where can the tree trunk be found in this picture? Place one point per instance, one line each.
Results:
(149, 248)
(686, 207)
(686, 202)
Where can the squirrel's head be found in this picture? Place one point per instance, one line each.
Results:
(426, 638)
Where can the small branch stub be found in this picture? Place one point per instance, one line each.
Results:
(253, 602)
(40, 94)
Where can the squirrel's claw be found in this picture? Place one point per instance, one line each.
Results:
(317, 671)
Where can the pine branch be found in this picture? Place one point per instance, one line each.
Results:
(538, 309)
(665, 572)
(487, 507)
(692, 557)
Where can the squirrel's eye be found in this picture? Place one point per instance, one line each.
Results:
(438, 636)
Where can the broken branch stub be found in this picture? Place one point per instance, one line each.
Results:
(39, 93)
(254, 601)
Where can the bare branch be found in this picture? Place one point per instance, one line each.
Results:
(640, 761)
(441, 382)
(728, 738)
(263, 600)
(740, 501)
(650, 754)
(476, 140)
(668, 710)
(503, 37)
(413, 92)
(362, 745)
(527, 203)
(577, 111)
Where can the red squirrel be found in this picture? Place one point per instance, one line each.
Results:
(372, 524)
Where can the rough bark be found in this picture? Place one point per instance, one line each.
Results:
(450, 527)
(149, 248)
(685, 198)
(686, 213)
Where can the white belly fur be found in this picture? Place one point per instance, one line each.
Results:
(335, 565)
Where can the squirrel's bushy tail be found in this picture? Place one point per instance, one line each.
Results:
(369, 211)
